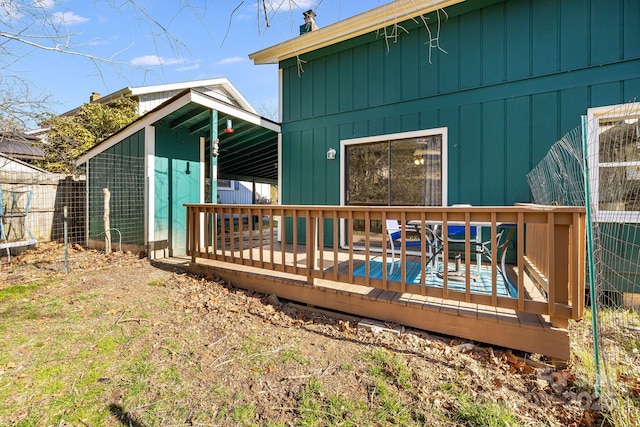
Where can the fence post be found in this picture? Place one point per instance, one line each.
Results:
(193, 235)
(590, 262)
(105, 218)
(66, 240)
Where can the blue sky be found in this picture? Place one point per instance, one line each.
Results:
(207, 39)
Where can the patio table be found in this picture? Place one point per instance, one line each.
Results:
(477, 245)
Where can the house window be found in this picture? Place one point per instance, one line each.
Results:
(225, 184)
(405, 169)
(614, 152)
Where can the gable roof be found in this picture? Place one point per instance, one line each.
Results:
(367, 22)
(221, 86)
(250, 152)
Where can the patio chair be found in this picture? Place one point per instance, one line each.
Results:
(456, 237)
(396, 242)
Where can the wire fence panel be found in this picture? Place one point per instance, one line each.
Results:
(116, 190)
(45, 209)
(32, 210)
(608, 144)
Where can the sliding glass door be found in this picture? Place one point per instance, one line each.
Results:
(395, 172)
(406, 169)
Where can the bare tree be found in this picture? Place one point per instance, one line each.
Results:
(27, 26)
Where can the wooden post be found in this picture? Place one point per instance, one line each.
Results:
(107, 225)
(311, 245)
(561, 264)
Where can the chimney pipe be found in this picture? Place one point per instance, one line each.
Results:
(309, 22)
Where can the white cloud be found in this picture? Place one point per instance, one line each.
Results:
(11, 10)
(155, 60)
(100, 42)
(231, 60)
(188, 67)
(68, 18)
(43, 4)
(289, 5)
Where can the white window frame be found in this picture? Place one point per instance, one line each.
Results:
(443, 131)
(229, 187)
(594, 115)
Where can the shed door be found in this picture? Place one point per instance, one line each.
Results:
(185, 188)
(178, 158)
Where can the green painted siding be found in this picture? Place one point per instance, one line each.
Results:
(176, 152)
(516, 77)
(121, 170)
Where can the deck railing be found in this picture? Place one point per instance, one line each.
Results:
(546, 254)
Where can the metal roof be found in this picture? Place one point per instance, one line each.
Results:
(249, 153)
(20, 146)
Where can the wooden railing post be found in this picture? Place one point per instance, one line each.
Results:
(312, 243)
(561, 267)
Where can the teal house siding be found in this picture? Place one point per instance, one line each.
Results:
(516, 76)
(120, 169)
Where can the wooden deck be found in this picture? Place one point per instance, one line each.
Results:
(547, 273)
(528, 332)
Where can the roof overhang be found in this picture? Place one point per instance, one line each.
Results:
(249, 153)
(364, 23)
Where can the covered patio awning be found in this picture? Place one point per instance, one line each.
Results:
(250, 153)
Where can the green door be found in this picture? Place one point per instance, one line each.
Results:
(185, 188)
(177, 181)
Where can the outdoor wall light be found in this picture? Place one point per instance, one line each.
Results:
(331, 154)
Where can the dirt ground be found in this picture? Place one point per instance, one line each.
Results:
(241, 358)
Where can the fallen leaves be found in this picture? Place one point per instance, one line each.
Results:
(204, 326)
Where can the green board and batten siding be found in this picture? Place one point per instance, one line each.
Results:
(120, 169)
(516, 77)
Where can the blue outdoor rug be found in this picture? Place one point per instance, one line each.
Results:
(481, 285)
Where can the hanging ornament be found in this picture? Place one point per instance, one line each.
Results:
(216, 148)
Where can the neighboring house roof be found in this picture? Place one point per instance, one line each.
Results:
(250, 152)
(220, 88)
(20, 146)
(367, 22)
(10, 165)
